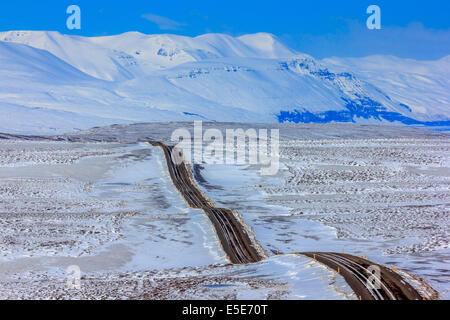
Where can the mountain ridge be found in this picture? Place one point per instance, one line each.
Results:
(133, 77)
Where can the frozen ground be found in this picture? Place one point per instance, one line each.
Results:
(111, 209)
(105, 202)
(388, 199)
(287, 277)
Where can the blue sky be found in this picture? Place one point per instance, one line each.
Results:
(411, 29)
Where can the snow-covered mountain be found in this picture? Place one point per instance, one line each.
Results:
(423, 86)
(51, 83)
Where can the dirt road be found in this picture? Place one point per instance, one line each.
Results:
(369, 281)
(233, 237)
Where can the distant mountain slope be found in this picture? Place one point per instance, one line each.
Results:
(133, 54)
(422, 86)
(134, 77)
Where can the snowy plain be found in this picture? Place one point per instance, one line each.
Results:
(111, 209)
(338, 188)
(387, 199)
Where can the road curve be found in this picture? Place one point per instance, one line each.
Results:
(232, 235)
(360, 274)
(369, 280)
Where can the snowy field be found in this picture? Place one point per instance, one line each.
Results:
(388, 199)
(111, 209)
(102, 199)
(65, 202)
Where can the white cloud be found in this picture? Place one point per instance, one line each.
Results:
(354, 40)
(163, 23)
